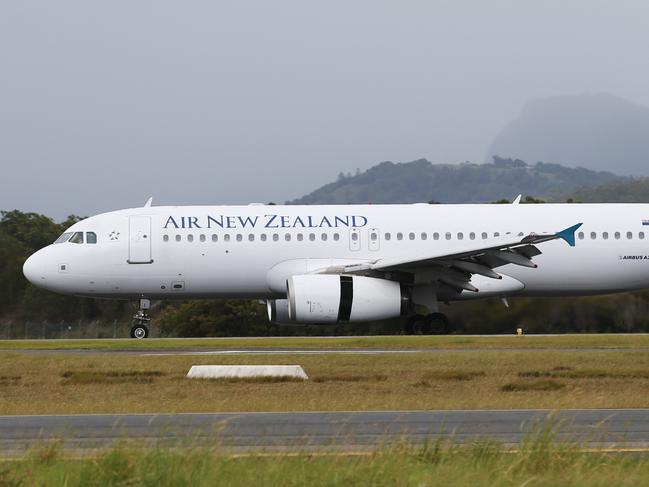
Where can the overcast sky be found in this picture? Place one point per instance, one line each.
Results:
(103, 104)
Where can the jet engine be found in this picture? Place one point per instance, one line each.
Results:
(278, 311)
(329, 298)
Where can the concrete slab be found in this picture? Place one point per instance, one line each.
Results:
(245, 371)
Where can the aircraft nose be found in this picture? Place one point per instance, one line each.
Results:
(34, 270)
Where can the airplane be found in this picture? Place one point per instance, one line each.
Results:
(348, 263)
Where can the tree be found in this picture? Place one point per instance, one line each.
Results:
(216, 317)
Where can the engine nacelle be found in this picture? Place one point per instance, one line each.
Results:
(329, 298)
(278, 311)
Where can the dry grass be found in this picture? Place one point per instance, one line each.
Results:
(6, 380)
(86, 383)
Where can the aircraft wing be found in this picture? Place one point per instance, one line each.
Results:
(456, 268)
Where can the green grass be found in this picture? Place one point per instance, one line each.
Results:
(570, 373)
(394, 342)
(109, 376)
(539, 462)
(535, 385)
(349, 378)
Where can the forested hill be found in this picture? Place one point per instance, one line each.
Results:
(617, 191)
(422, 181)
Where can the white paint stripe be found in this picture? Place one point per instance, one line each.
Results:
(287, 352)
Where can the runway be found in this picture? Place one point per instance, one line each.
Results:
(324, 431)
(311, 351)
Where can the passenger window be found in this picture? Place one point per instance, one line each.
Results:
(91, 237)
(424, 236)
(641, 235)
(300, 237)
(190, 237)
(387, 236)
(472, 236)
(629, 235)
(580, 235)
(226, 237)
(520, 234)
(239, 237)
(411, 236)
(484, 236)
(178, 238)
(354, 236)
(399, 236)
(312, 236)
(263, 237)
(287, 237)
(605, 235)
(77, 238)
(593, 235)
(202, 238)
(323, 237)
(448, 235)
(373, 236)
(460, 236)
(251, 237)
(275, 237)
(336, 237)
(435, 236)
(215, 237)
(496, 234)
(165, 238)
(617, 235)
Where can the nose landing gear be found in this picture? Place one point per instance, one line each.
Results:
(141, 320)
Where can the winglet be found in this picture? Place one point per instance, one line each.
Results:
(148, 202)
(569, 234)
(517, 200)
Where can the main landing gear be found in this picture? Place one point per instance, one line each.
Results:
(432, 324)
(141, 320)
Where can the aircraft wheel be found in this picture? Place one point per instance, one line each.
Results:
(416, 325)
(139, 332)
(437, 324)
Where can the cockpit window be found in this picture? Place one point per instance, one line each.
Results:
(77, 238)
(63, 238)
(91, 237)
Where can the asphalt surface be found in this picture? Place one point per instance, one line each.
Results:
(309, 351)
(324, 431)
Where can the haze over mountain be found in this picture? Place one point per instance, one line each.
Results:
(596, 131)
(422, 181)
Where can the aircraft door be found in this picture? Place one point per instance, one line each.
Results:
(354, 239)
(139, 240)
(374, 240)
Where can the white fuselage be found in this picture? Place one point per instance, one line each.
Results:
(250, 251)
